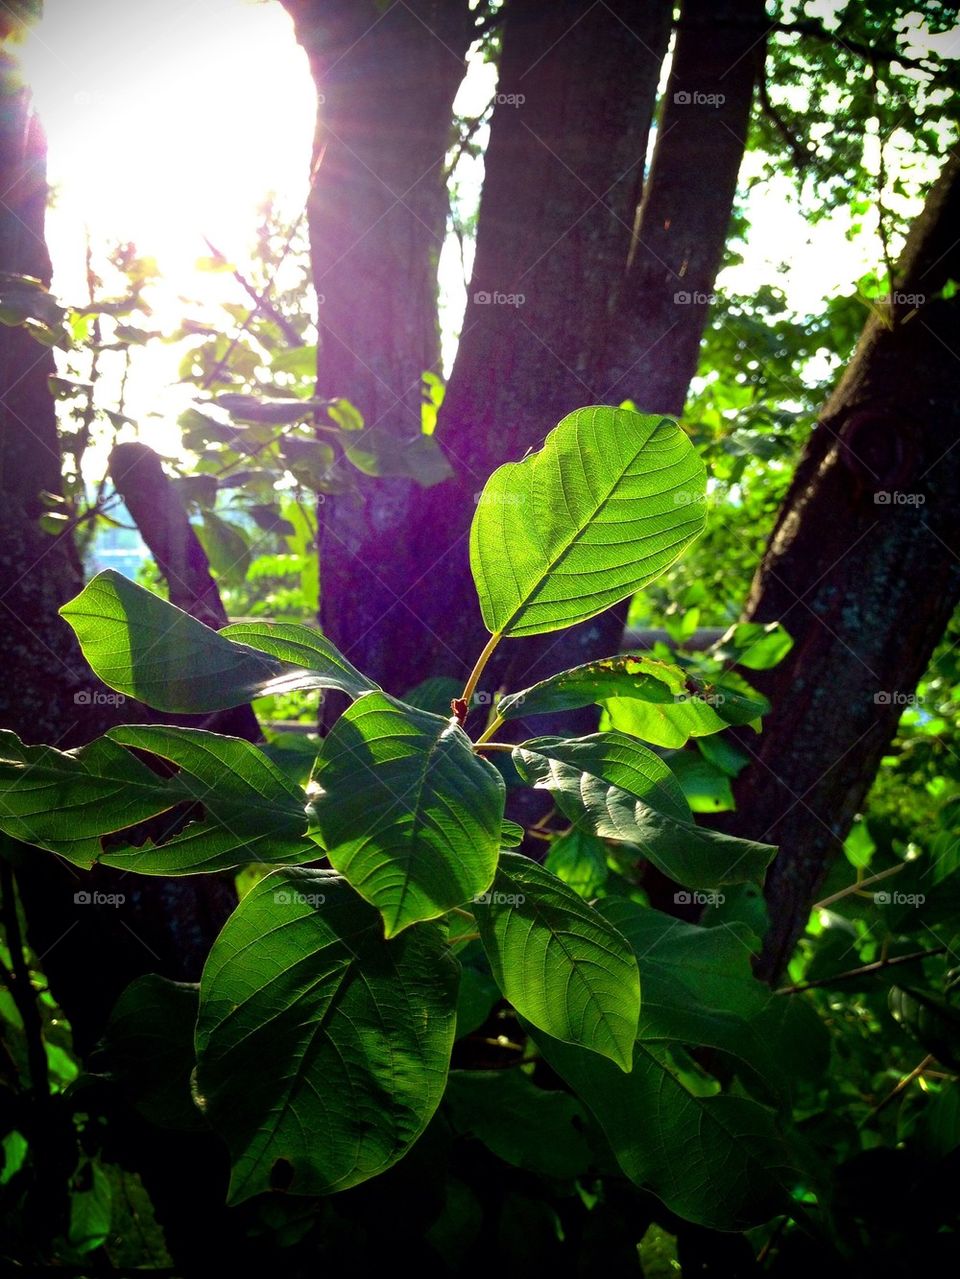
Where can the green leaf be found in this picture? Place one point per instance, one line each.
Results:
(701, 709)
(522, 1124)
(718, 1161)
(147, 1048)
(225, 545)
(756, 645)
(933, 1022)
(146, 648)
(406, 810)
(559, 962)
(359, 1030)
(580, 860)
(618, 789)
(626, 675)
(608, 503)
(309, 660)
(66, 801)
(699, 989)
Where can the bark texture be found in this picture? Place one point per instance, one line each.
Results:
(386, 78)
(863, 569)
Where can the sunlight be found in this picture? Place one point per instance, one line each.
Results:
(168, 123)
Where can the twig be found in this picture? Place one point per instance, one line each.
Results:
(895, 1092)
(863, 971)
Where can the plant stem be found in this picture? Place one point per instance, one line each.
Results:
(489, 731)
(492, 746)
(858, 886)
(863, 971)
(470, 687)
(21, 988)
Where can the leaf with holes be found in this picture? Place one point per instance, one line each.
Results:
(608, 503)
(360, 1029)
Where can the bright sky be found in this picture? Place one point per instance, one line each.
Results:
(170, 120)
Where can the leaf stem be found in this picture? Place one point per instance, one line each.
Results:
(492, 746)
(470, 687)
(489, 731)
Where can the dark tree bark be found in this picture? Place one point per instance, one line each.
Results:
(863, 569)
(386, 78)
(605, 323)
(572, 302)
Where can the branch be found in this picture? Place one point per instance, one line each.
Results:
(864, 971)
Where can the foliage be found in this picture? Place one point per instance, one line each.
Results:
(424, 990)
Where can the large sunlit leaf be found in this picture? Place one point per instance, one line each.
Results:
(618, 789)
(406, 810)
(322, 1048)
(230, 803)
(148, 649)
(561, 964)
(608, 503)
(718, 1161)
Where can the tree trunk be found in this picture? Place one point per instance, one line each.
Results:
(386, 79)
(600, 322)
(863, 569)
